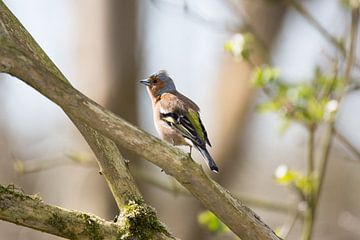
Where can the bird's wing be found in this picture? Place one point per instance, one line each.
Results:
(182, 114)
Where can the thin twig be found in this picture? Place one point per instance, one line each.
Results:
(248, 26)
(175, 188)
(222, 26)
(22, 167)
(352, 51)
(316, 24)
(347, 143)
(286, 229)
(309, 213)
(310, 157)
(269, 205)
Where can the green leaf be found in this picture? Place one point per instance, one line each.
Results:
(284, 176)
(316, 109)
(304, 184)
(268, 106)
(264, 75)
(293, 178)
(300, 92)
(212, 223)
(239, 45)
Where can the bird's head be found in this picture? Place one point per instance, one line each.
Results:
(159, 83)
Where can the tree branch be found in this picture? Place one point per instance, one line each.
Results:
(17, 50)
(31, 211)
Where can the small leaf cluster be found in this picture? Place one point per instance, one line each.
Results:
(295, 179)
(212, 223)
(240, 45)
(309, 103)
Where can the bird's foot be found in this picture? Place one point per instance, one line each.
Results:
(116, 218)
(190, 150)
(127, 162)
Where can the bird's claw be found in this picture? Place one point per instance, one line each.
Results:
(116, 218)
(190, 150)
(127, 162)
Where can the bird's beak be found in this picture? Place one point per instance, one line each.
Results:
(145, 82)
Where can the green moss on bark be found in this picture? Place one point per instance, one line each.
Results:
(92, 228)
(61, 225)
(140, 221)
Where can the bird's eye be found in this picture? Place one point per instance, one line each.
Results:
(154, 81)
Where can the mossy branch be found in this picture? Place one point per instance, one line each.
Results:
(17, 51)
(136, 222)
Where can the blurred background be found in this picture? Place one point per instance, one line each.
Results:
(105, 47)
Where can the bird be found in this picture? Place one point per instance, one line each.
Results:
(176, 117)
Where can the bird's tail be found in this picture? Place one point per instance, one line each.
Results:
(210, 161)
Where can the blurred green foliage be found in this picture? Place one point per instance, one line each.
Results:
(288, 177)
(240, 45)
(263, 76)
(306, 102)
(350, 4)
(212, 223)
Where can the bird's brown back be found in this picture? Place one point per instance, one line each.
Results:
(176, 102)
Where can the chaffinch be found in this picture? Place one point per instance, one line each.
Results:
(176, 117)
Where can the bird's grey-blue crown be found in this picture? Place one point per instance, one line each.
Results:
(169, 83)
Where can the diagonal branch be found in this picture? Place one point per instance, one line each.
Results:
(18, 61)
